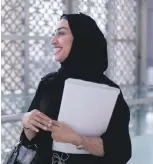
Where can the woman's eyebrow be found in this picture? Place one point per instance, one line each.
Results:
(60, 28)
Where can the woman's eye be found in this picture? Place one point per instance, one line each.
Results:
(58, 33)
(61, 33)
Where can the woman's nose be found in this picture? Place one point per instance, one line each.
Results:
(53, 40)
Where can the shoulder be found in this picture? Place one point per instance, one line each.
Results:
(120, 102)
(47, 79)
(49, 76)
(110, 82)
(121, 106)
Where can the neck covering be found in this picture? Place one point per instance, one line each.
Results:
(88, 55)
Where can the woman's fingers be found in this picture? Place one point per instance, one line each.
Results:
(44, 117)
(42, 121)
(35, 120)
(55, 123)
(38, 125)
(33, 128)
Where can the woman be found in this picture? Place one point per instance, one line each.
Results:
(81, 48)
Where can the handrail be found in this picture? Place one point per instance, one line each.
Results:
(11, 117)
(18, 117)
(140, 101)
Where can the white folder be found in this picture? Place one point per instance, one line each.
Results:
(87, 108)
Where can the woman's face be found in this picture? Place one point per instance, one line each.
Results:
(62, 41)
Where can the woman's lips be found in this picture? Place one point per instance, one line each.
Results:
(57, 51)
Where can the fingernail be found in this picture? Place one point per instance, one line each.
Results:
(45, 128)
(50, 121)
(49, 125)
(37, 130)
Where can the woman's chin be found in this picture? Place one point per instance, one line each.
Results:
(57, 58)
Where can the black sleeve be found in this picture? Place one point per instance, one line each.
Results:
(34, 105)
(36, 100)
(117, 143)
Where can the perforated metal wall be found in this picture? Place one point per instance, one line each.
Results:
(27, 27)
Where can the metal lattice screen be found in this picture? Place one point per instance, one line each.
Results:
(27, 27)
(26, 56)
(26, 53)
(117, 19)
(96, 9)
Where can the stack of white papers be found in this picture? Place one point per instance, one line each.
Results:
(87, 108)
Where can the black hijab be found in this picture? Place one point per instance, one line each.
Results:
(87, 60)
(88, 56)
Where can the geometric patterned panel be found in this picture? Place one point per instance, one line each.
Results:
(130, 92)
(118, 24)
(14, 103)
(10, 133)
(122, 42)
(97, 9)
(23, 65)
(123, 19)
(12, 66)
(13, 17)
(40, 62)
(44, 15)
(122, 63)
(122, 15)
(117, 19)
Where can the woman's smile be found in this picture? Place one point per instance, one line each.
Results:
(57, 50)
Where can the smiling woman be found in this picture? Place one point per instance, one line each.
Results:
(81, 48)
(62, 41)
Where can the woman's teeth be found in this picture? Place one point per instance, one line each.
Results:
(57, 50)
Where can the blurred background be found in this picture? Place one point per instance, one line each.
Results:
(26, 31)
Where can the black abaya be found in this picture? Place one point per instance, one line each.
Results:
(87, 61)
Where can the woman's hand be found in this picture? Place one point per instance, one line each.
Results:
(61, 132)
(35, 119)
